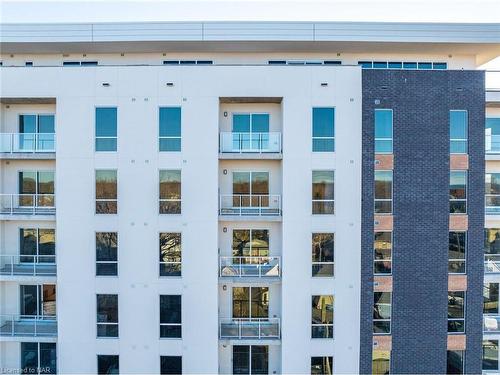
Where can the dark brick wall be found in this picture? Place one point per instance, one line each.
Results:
(421, 101)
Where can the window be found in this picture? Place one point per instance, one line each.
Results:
(383, 131)
(456, 312)
(321, 365)
(170, 254)
(381, 362)
(492, 198)
(249, 245)
(492, 135)
(107, 315)
(457, 252)
(458, 132)
(322, 254)
(36, 133)
(323, 132)
(490, 355)
(170, 191)
(455, 361)
(40, 183)
(492, 250)
(322, 317)
(458, 192)
(383, 192)
(170, 129)
(106, 129)
(108, 364)
(37, 245)
(490, 299)
(404, 65)
(106, 193)
(382, 311)
(171, 365)
(252, 359)
(38, 301)
(106, 253)
(323, 191)
(38, 358)
(188, 62)
(251, 195)
(382, 260)
(170, 316)
(250, 302)
(250, 132)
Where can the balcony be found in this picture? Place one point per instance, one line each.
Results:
(249, 329)
(25, 267)
(27, 145)
(491, 323)
(22, 326)
(250, 145)
(25, 206)
(250, 205)
(248, 268)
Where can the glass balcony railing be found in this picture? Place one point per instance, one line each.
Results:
(250, 142)
(491, 323)
(27, 265)
(251, 205)
(262, 267)
(249, 328)
(28, 325)
(27, 142)
(27, 204)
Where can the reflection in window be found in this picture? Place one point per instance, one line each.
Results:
(492, 250)
(323, 192)
(322, 317)
(108, 364)
(38, 358)
(170, 129)
(252, 359)
(170, 365)
(455, 361)
(106, 122)
(170, 316)
(250, 302)
(322, 254)
(107, 315)
(492, 189)
(458, 132)
(458, 192)
(383, 131)
(382, 260)
(457, 252)
(456, 312)
(170, 254)
(250, 189)
(248, 244)
(323, 131)
(37, 245)
(490, 355)
(382, 311)
(40, 183)
(170, 192)
(490, 298)
(106, 253)
(383, 192)
(106, 201)
(381, 362)
(321, 365)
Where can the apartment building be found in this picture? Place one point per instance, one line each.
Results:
(249, 198)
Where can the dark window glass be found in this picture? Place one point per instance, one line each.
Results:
(28, 63)
(48, 359)
(170, 129)
(322, 317)
(458, 132)
(170, 254)
(171, 62)
(250, 302)
(107, 315)
(490, 299)
(458, 192)
(260, 359)
(89, 63)
(383, 253)
(323, 131)
(332, 62)
(106, 245)
(29, 357)
(276, 62)
(455, 362)
(106, 122)
(170, 316)
(456, 252)
(108, 364)
(250, 359)
(170, 192)
(382, 312)
(383, 192)
(171, 365)
(321, 365)
(38, 358)
(204, 62)
(492, 250)
(424, 65)
(241, 359)
(71, 63)
(187, 62)
(106, 192)
(322, 254)
(456, 312)
(409, 65)
(323, 191)
(490, 355)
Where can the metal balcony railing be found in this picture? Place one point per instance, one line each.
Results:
(252, 205)
(492, 143)
(28, 326)
(27, 142)
(249, 329)
(250, 142)
(257, 266)
(27, 204)
(28, 265)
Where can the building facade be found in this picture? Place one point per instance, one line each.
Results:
(248, 198)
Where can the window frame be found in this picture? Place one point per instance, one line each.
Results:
(330, 327)
(464, 319)
(375, 199)
(324, 201)
(313, 263)
(383, 319)
(464, 260)
(167, 200)
(323, 138)
(466, 140)
(105, 137)
(117, 323)
(383, 139)
(160, 276)
(375, 260)
(160, 324)
(105, 199)
(107, 262)
(160, 137)
(466, 192)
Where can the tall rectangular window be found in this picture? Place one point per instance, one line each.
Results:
(490, 302)
(323, 132)
(458, 132)
(492, 189)
(323, 192)
(383, 131)
(490, 355)
(38, 358)
(382, 312)
(108, 364)
(170, 191)
(170, 365)
(492, 250)
(492, 135)
(107, 315)
(106, 254)
(381, 362)
(456, 312)
(383, 192)
(382, 260)
(322, 254)
(170, 254)
(106, 124)
(321, 365)
(170, 129)
(170, 316)
(106, 192)
(458, 192)
(250, 359)
(455, 361)
(457, 252)
(37, 245)
(322, 317)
